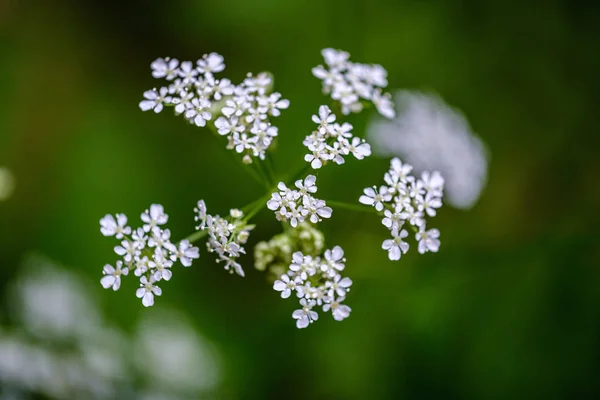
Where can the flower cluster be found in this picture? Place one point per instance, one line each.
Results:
(317, 282)
(275, 255)
(296, 206)
(407, 199)
(147, 250)
(332, 141)
(225, 237)
(349, 83)
(240, 112)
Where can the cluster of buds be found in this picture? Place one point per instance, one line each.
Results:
(275, 255)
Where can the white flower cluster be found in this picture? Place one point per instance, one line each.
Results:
(225, 237)
(296, 206)
(316, 282)
(349, 83)
(403, 199)
(332, 141)
(147, 250)
(243, 109)
(431, 135)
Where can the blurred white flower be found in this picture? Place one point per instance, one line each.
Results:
(7, 183)
(429, 134)
(52, 302)
(170, 353)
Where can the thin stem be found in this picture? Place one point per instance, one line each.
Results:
(196, 235)
(270, 167)
(349, 206)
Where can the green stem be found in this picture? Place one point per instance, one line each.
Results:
(349, 206)
(196, 236)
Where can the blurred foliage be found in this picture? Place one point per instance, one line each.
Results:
(509, 308)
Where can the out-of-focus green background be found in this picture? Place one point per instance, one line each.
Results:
(509, 307)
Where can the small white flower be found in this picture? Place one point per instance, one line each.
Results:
(374, 198)
(165, 68)
(128, 250)
(335, 259)
(316, 209)
(338, 285)
(396, 246)
(305, 315)
(112, 275)
(187, 72)
(156, 216)
(319, 154)
(154, 100)
(324, 118)
(384, 104)
(198, 112)
(212, 62)
(428, 240)
(109, 226)
(147, 291)
(338, 310)
(287, 285)
(308, 186)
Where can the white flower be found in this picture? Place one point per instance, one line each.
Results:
(112, 275)
(161, 265)
(359, 148)
(165, 68)
(187, 71)
(117, 228)
(396, 246)
(156, 216)
(225, 238)
(338, 310)
(286, 285)
(324, 118)
(374, 198)
(147, 291)
(335, 58)
(212, 62)
(302, 265)
(198, 112)
(154, 100)
(128, 250)
(338, 285)
(150, 256)
(316, 209)
(393, 220)
(319, 154)
(428, 240)
(159, 238)
(183, 102)
(335, 259)
(384, 104)
(308, 186)
(185, 253)
(296, 205)
(349, 83)
(305, 315)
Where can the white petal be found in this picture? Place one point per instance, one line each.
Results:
(107, 281)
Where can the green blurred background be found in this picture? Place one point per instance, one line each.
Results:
(509, 307)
